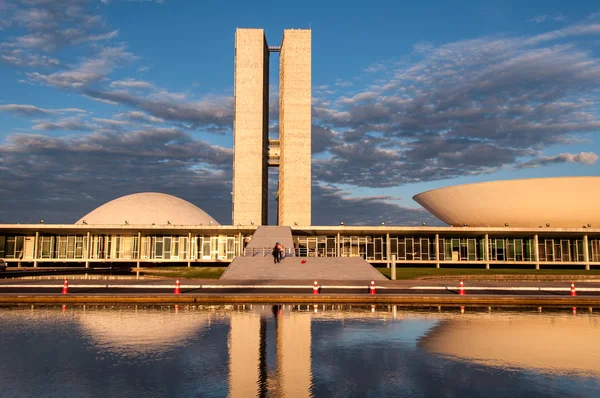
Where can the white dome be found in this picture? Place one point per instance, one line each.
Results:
(148, 208)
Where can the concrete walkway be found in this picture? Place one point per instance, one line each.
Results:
(302, 268)
(411, 292)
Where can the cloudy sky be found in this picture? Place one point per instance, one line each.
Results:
(100, 99)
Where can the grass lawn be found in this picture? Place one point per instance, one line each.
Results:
(413, 273)
(183, 272)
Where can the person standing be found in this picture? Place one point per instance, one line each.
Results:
(275, 253)
(280, 252)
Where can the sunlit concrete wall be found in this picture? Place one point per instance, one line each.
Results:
(294, 354)
(561, 202)
(251, 122)
(244, 355)
(295, 128)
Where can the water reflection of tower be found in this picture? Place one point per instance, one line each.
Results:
(249, 373)
(294, 353)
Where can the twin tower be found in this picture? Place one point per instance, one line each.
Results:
(253, 151)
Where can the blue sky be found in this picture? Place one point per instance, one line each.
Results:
(101, 99)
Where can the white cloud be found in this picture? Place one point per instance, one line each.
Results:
(66, 124)
(24, 110)
(574, 30)
(542, 18)
(89, 71)
(131, 83)
(139, 117)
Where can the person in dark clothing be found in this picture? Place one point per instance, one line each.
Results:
(275, 253)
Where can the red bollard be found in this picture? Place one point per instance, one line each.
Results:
(573, 292)
(65, 289)
(316, 288)
(177, 288)
(372, 288)
(461, 288)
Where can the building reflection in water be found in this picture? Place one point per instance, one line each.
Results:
(301, 350)
(550, 343)
(249, 374)
(143, 331)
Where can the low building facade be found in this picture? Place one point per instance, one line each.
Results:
(40, 245)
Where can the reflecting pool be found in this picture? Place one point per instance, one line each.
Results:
(298, 351)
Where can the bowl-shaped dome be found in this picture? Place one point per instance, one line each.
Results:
(560, 202)
(148, 208)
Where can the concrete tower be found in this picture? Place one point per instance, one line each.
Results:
(295, 128)
(250, 128)
(292, 152)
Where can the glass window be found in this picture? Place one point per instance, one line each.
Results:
(409, 248)
(424, 249)
(500, 252)
(549, 249)
(417, 249)
(401, 249)
(158, 247)
(166, 248)
(566, 250)
(62, 247)
(557, 251)
(464, 255)
(594, 247)
(579, 250)
(527, 252)
(471, 249)
(448, 250)
(518, 249)
(542, 251)
(79, 247)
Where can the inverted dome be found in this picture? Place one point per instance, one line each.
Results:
(561, 202)
(148, 208)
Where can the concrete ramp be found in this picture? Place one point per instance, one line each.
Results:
(259, 268)
(265, 237)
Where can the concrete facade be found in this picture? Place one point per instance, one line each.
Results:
(251, 140)
(295, 128)
(251, 128)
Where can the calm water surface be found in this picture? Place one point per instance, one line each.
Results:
(298, 351)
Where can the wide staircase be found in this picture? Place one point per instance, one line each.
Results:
(256, 263)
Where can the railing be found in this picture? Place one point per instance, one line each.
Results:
(289, 252)
(265, 251)
(314, 252)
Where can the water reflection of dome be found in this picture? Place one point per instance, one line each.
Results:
(141, 332)
(547, 343)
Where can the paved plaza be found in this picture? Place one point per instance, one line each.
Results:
(261, 268)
